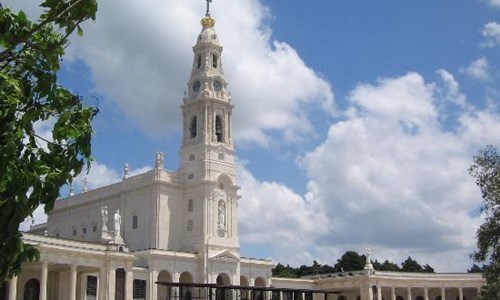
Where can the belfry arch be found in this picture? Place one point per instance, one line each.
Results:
(223, 293)
(164, 292)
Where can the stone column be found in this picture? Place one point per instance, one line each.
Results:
(379, 292)
(408, 293)
(82, 278)
(13, 288)
(393, 293)
(426, 293)
(370, 293)
(43, 280)
(111, 280)
(152, 289)
(129, 283)
(443, 293)
(460, 293)
(72, 283)
(101, 284)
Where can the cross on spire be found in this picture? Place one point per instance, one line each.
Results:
(208, 8)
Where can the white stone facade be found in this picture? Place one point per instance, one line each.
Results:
(118, 241)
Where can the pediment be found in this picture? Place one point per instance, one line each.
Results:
(225, 256)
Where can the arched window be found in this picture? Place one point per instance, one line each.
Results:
(218, 128)
(215, 59)
(32, 289)
(134, 222)
(198, 61)
(193, 127)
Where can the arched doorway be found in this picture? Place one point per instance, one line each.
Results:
(244, 293)
(259, 294)
(164, 292)
(185, 293)
(31, 290)
(223, 293)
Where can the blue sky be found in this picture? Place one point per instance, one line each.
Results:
(355, 121)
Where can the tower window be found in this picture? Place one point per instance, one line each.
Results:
(214, 61)
(192, 127)
(134, 222)
(190, 205)
(190, 225)
(218, 128)
(84, 230)
(198, 63)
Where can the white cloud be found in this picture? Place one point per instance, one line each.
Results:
(391, 175)
(39, 217)
(139, 53)
(478, 69)
(494, 3)
(273, 215)
(491, 33)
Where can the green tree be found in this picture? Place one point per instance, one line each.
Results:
(428, 269)
(486, 171)
(281, 270)
(350, 261)
(387, 266)
(411, 265)
(33, 168)
(475, 269)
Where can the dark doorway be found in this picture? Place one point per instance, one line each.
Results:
(32, 290)
(120, 284)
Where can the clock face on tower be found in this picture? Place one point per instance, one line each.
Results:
(217, 85)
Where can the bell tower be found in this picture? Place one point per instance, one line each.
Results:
(207, 159)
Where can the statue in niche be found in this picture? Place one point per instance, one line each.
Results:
(222, 214)
(118, 223)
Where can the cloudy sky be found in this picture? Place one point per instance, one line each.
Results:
(355, 121)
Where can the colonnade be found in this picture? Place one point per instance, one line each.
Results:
(423, 293)
(106, 282)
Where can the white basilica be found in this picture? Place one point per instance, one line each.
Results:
(174, 235)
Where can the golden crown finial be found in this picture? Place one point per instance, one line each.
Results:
(208, 22)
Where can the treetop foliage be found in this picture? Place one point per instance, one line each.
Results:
(33, 167)
(350, 261)
(486, 171)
